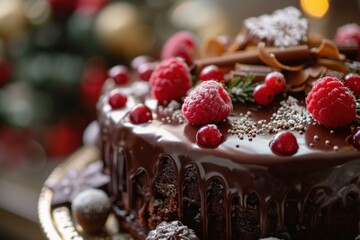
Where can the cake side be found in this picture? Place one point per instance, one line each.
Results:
(230, 187)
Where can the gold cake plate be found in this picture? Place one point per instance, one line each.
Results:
(57, 223)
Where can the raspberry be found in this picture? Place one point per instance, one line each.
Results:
(352, 81)
(207, 103)
(211, 72)
(284, 144)
(181, 44)
(263, 95)
(275, 81)
(209, 136)
(348, 34)
(120, 74)
(331, 103)
(140, 114)
(170, 80)
(116, 99)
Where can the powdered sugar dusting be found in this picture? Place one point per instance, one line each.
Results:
(285, 27)
(91, 201)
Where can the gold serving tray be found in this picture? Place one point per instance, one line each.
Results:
(57, 223)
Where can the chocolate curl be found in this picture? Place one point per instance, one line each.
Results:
(328, 49)
(270, 59)
(286, 55)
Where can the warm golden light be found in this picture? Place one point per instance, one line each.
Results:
(315, 8)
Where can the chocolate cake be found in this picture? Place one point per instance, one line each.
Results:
(240, 188)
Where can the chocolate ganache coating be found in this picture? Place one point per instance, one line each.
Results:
(239, 190)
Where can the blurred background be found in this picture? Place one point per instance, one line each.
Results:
(54, 57)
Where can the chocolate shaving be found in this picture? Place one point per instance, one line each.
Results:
(271, 60)
(328, 49)
(212, 48)
(286, 55)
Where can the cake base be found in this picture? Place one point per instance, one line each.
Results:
(57, 222)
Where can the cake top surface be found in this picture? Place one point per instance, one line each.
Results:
(245, 96)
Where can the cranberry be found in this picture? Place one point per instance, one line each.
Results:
(120, 74)
(209, 136)
(275, 81)
(263, 95)
(352, 81)
(116, 99)
(145, 70)
(284, 144)
(356, 140)
(136, 62)
(211, 72)
(140, 114)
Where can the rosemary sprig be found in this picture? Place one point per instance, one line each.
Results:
(241, 89)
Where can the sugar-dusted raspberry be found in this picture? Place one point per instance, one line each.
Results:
(207, 103)
(352, 81)
(209, 136)
(170, 80)
(348, 34)
(284, 144)
(331, 103)
(181, 44)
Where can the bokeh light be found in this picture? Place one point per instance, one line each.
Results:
(315, 8)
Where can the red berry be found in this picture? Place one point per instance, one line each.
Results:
(355, 141)
(120, 74)
(207, 103)
(136, 62)
(352, 81)
(209, 136)
(275, 81)
(284, 144)
(61, 7)
(170, 80)
(91, 84)
(348, 34)
(116, 99)
(181, 44)
(263, 95)
(331, 103)
(140, 114)
(5, 72)
(145, 70)
(211, 72)
(90, 6)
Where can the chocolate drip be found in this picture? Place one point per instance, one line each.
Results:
(245, 221)
(141, 197)
(164, 201)
(191, 199)
(216, 212)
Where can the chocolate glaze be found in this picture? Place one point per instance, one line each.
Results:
(239, 189)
